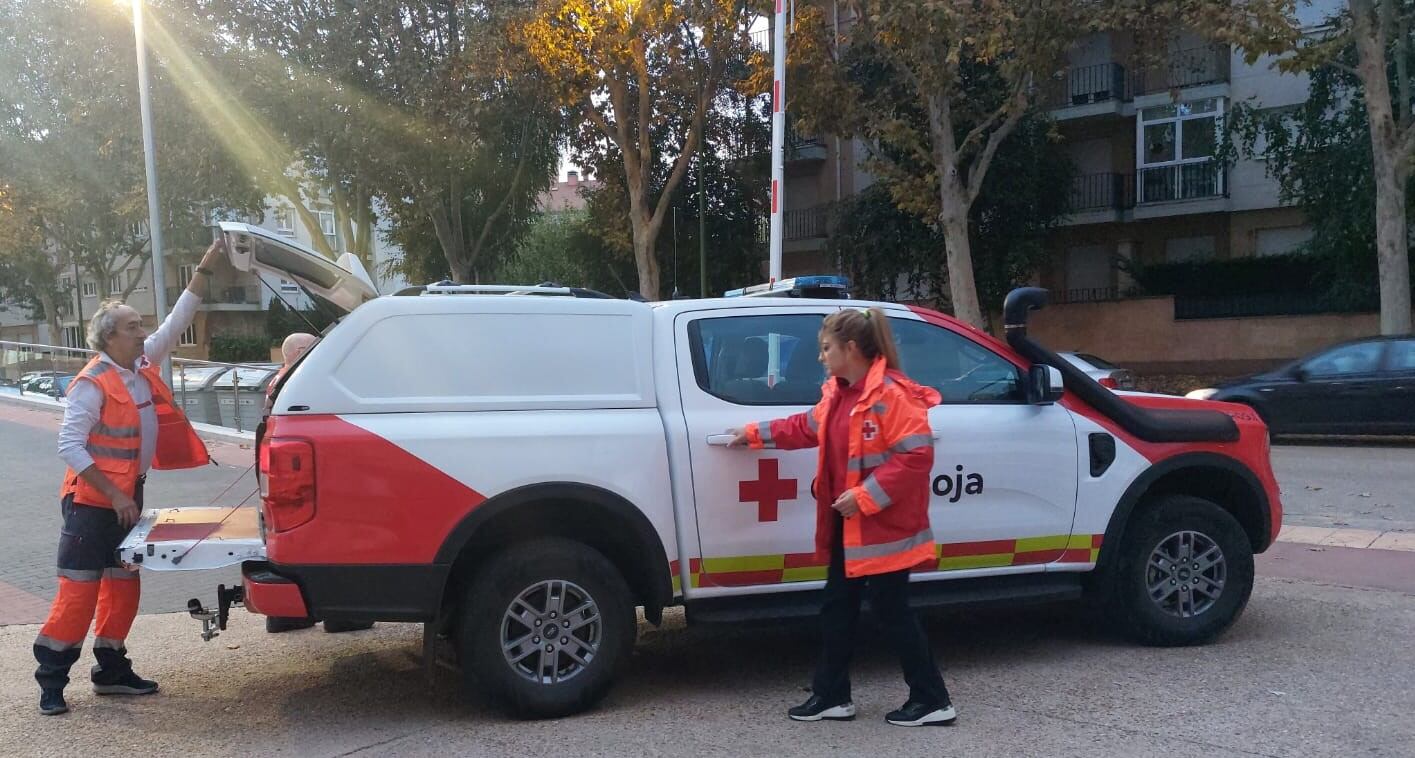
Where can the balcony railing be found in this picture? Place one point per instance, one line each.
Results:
(1184, 181)
(1185, 68)
(1086, 295)
(1108, 191)
(815, 222)
(1087, 85)
(244, 294)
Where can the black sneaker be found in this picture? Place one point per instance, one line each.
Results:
(51, 702)
(127, 684)
(817, 709)
(915, 713)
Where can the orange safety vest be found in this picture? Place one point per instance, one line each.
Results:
(115, 442)
(889, 460)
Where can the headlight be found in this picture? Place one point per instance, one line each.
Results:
(1203, 394)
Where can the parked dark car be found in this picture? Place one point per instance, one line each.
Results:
(1362, 387)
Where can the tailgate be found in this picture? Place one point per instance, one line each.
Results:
(191, 539)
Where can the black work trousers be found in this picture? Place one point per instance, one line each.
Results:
(889, 599)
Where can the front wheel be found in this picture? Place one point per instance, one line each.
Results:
(1184, 574)
(545, 627)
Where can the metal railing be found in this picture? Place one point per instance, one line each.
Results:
(209, 392)
(1087, 85)
(1184, 181)
(1086, 295)
(1190, 307)
(236, 294)
(1092, 192)
(1207, 64)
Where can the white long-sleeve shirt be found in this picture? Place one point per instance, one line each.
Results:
(85, 399)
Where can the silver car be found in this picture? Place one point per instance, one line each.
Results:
(1106, 373)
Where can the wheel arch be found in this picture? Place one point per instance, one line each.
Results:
(1218, 478)
(581, 512)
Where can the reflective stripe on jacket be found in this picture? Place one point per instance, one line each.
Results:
(890, 456)
(115, 442)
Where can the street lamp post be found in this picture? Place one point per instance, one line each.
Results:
(154, 213)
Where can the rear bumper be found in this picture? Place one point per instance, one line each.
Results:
(270, 594)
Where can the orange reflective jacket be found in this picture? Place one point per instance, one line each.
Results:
(115, 442)
(890, 456)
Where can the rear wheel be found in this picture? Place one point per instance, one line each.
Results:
(1184, 574)
(545, 627)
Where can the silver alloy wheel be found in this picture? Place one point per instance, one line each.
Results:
(551, 631)
(1186, 574)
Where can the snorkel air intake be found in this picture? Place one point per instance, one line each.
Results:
(1149, 424)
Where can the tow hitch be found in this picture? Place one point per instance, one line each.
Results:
(213, 622)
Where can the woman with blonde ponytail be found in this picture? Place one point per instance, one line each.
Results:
(872, 518)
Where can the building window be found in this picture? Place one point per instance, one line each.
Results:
(185, 272)
(189, 337)
(74, 336)
(288, 286)
(135, 280)
(115, 284)
(285, 220)
(1177, 144)
(326, 223)
(65, 283)
(90, 289)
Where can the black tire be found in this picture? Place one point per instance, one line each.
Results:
(489, 598)
(1155, 531)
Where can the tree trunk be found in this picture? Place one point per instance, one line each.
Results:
(645, 259)
(51, 316)
(1390, 163)
(958, 250)
(1392, 256)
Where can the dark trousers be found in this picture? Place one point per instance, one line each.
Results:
(90, 580)
(889, 599)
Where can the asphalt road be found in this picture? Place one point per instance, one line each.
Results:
(1309, 670)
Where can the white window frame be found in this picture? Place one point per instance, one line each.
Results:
(115, 284)
(285, 220)
(1178, 119)
(90, 289)
(326, 223)
(185, 272)
(135, 274)
(74, 336)
(189, 337)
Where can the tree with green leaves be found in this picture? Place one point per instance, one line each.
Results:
(639, 77)
(71, 146)
(935, 89)
(1361, 57)
(879, 244)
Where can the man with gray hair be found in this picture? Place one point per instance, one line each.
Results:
(120, 420)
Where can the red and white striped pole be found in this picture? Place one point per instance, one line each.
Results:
(778, 140)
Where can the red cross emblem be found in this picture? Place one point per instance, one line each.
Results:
(871, 429)
(767, 490)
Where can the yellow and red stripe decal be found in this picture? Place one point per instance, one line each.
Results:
(742, 570)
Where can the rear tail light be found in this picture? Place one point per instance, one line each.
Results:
(288, 486)
(1110, 382)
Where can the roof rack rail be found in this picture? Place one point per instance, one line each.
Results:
(546, 288)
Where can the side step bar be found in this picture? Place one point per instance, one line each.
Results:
(983, 591)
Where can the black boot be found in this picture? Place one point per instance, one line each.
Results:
(337, 627)
(113, 675)
(278, 624)
(51, 702)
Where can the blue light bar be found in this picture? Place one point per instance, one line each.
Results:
(820, 286)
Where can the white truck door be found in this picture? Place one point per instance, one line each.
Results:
(754, 509)
(1005, 472)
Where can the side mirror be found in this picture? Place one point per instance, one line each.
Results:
(1044, 385)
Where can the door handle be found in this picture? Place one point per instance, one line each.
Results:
(719, 440)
